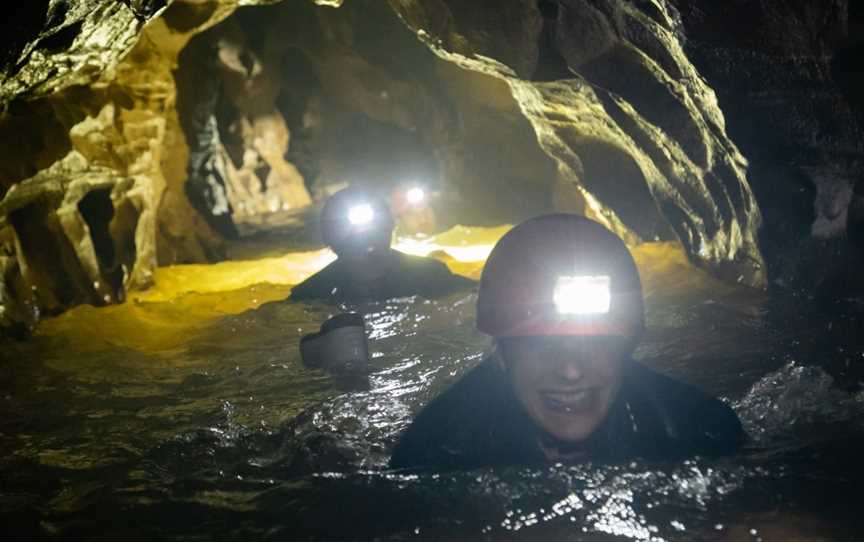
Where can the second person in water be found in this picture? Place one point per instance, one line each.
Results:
(358, 227)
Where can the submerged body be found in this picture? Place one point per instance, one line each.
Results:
(358, 227)
(398, 275)
(562, 300)
(479, 422)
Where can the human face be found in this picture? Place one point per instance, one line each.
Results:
(566, 385)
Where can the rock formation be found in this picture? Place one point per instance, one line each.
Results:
(238, 173)
(142, 133)
(94, 169)
(788, 82)
(622, 127)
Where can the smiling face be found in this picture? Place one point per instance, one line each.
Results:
(566, 385)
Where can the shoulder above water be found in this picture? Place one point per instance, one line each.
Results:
(410, 275)
(477, 423)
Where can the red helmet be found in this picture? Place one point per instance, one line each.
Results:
(560, 274)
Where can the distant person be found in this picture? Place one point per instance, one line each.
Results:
(561, 297)
(358, 228)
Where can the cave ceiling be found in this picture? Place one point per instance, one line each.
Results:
(144, 133)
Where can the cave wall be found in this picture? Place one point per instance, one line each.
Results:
(93, 166)
(590, 106)
(228, 84)
(144, 133)
(788, 81)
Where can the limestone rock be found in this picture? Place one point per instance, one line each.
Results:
(89, 161)
(623, 127)
(628, 121)
(144, 132)
(238, 174)
(62, 43)
(787, 77)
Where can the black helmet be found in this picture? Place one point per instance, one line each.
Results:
(354, 212)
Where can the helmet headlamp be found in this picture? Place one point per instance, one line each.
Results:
(415, 196)
(582, 294)
(361, 214)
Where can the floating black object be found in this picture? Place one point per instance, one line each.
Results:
(340, 345)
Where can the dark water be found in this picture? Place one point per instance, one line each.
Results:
(230, 438)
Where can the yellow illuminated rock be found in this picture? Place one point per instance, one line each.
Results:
(155, 138)
(189, 299)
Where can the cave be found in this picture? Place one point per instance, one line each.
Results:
(166, 168)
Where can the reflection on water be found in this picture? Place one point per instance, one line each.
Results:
(187, 415)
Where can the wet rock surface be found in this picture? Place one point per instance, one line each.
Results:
(86, 169)
(785, 80)
(144, 133)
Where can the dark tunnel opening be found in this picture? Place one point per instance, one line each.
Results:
(55, 273)
(297, 103)
(97, 210)
(123, 229)
(551, 65)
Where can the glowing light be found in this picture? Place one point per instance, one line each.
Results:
(360, 215)
(582, 295)
(468, 253)
(415, 196)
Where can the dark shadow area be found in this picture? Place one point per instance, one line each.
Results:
(299, 101)
(123, 228)
(184, 17)
(551, 66)
(97, 210)
(787, 79)
(197, 96)
(30, 129)
(53, 268)
(615, 178)
(62, 39)
(622, 72)
(18, 28)
(846, 64)
(855, 222)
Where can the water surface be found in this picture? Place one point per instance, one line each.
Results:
(187, 417)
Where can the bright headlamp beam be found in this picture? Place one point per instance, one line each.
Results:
(360, 215)
(582, 295)
(415, 195)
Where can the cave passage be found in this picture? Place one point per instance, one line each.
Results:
(161, 186)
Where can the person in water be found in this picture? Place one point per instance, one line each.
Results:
(358, 228)
(561, 297)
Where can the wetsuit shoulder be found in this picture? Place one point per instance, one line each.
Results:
(446, 433)
(321, 284)
(432, 277)
(683, 420)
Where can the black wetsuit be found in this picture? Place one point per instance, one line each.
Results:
(408, 275)
(478, 423)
